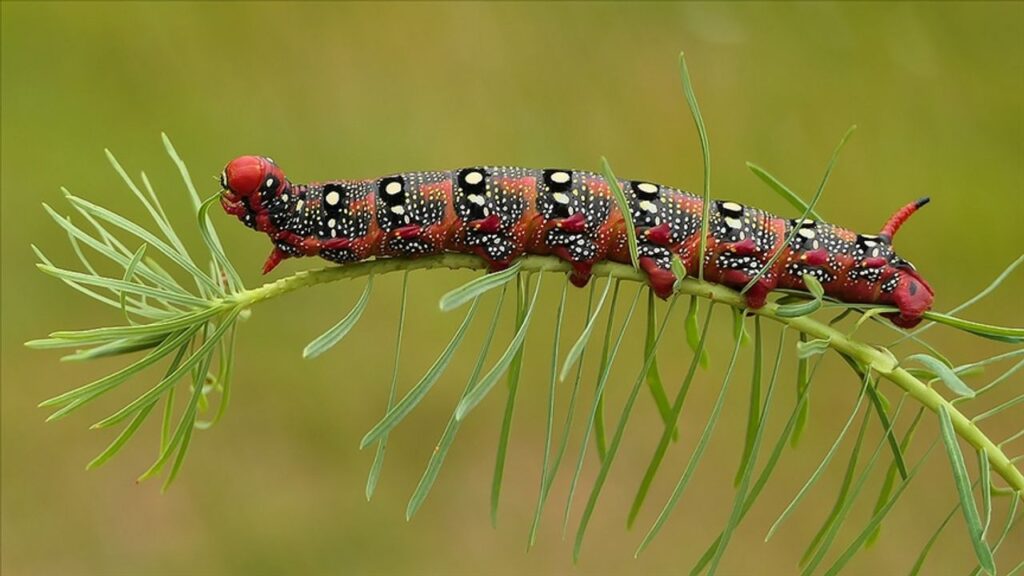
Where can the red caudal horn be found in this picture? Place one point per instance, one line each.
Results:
(901, 216)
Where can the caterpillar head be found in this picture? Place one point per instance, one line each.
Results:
(911, 294)
(250, 184)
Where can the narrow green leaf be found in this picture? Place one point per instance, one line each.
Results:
(806, 349)
(128, 273)
(923, 555)
(705, 152)
(115, 348)
(378, 458)
(478, 286)
(693, 332)
(798, 310)
(985, 469)
(985, 292)
(813, 479)
(206, 226)
(545, 468)
(97, 335)
(154, 393)
(188, 422)
(1005, 375)
(137, 305)
(698, 452)
(803, 380)
(748, 463)
(806, 307)
(206, 231)
(592, 417)
(948, 376)
(627, 214)
(146, 236)
(576, 352)
(227, 360)
(739, 331)
(182, 433)
(766, 472)
(603, 370)
(754, 410)
(501, 366)
(1011, 519)
(165, 425)
(854, 546)
(998, 333)
(788, 195)
(679, 270)
(417, 392)
(814, 201)
(514, 370)
(839, 518)
(570, 413)
(162, 221)
(111, 380)
(448, 436)
(654, 382)
(122, 286)
(620, 430)
(881, 406)
(334, 334)
(663, 442)
(963, 486)
(121, 439)
(76, 235)
(1005, 405)
(890, 474)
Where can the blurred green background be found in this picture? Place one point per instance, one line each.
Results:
(358, 90)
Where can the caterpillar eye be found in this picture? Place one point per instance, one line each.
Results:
(901, 264)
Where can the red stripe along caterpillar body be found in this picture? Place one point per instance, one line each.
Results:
(501, 213)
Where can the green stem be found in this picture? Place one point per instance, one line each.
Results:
(865, 354)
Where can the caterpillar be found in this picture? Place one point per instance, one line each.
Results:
(501, 213)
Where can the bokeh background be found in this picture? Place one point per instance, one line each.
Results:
(358, 90)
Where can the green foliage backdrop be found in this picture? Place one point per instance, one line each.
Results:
(359, 90)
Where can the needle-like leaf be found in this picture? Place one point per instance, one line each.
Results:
(448, 436)
(624, 209)
(705, 153)
(545, 469)
(514, 370)
(479, 391)
(698, 452)
(598, 395)
(477, 286)
(963, 487)
(417, 392)
(824, 462)
(576, 352)
(663, 442)
(620, 430)
(334, 334)
(378, 458)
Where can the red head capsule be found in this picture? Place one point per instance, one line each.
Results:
(250, 183)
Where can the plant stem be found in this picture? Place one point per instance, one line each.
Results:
(865, 354)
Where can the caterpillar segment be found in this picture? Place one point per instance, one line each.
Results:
(501, 213)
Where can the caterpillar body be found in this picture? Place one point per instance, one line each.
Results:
(501, 213)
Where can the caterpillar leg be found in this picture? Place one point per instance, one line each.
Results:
(574, 246)
(656, 262)
(275, 258)
(738, 263)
